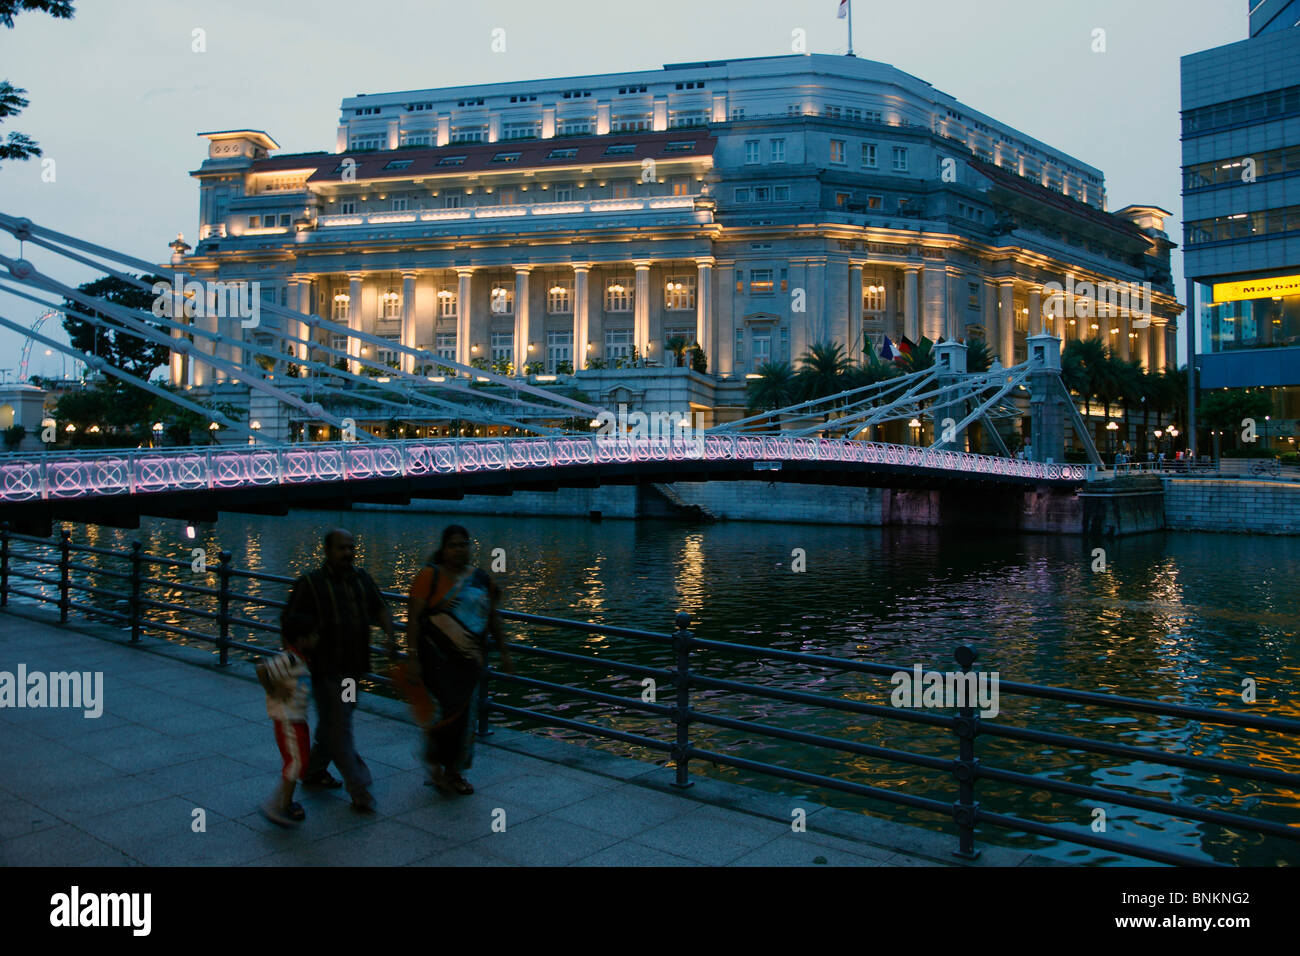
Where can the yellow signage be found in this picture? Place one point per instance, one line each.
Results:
(1256, 289)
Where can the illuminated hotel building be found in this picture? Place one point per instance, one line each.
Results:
(1241, 197)
(757, 206)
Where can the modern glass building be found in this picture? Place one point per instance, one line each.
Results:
(1241, 195)
(756, 206)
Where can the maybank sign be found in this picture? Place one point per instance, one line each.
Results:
(1256, 289)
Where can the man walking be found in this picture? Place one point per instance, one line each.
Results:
(339, 603)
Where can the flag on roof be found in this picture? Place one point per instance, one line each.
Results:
(843, 11)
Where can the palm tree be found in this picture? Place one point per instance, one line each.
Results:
(774, 388)
(823, 370)
(677, 346)
(1081, 366)
(1131, 386)
(978, 356)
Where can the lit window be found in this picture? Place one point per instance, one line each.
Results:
(760, 282)
(501, 300)
(622, 191)
(562, 153)
(506, 157)
(452, 161)
(447, 299)
(559, 299)
(837, 152)
(619, 294)
(679, 293)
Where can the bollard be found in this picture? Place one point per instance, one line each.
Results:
(681, 714)
(223, 610)
(965, 768)
(65, 573)
(137, 564)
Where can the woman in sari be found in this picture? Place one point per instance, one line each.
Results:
(452, 610)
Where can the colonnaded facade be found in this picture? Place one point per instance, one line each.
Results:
(755, 206)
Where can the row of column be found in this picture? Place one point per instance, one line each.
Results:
(300, 299)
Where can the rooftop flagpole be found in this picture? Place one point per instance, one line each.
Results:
(850, 53)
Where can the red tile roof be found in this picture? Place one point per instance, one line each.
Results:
(533, 154)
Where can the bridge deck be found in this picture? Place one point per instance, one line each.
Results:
(121, 789)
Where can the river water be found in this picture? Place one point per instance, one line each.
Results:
(1178, 617)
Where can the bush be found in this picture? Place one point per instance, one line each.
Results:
(699, 361)
(1290, 458)
(14, 435)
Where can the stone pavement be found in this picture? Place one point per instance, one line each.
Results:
(178, 735)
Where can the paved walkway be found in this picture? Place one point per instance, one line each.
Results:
(178, 735)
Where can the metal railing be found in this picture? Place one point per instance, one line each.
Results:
(23, 558)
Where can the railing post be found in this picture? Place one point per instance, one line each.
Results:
(681, 715)
(137, 564)
(223, 609)
(65, 573)
(4, 564)
(965, 768)
(484, 697)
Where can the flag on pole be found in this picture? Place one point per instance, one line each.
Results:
(844, 10)
(906, 345)
(887, 350)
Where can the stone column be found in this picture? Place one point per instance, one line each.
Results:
(641, 305)
(956, 307)
(989, 315)
(1158, 338)
(704, 305)
(1144, 347)
(178, 364)
(911, 315)
(1125, 343)
(463, 316)
(354, 322)
(934, 314)
(407, 362)
(854, 335)
(1007, 322)
(581, 315)
(1036, 324)
(523, 327)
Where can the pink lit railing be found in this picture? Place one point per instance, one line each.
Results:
(88, 474)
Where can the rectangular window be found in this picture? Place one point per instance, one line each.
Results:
(737, 112)
(506, 196)
(339, 343)
(390, 304)
(559, 349)
(387, 355)
(622, 191)
(564, 194)
(687, 118)
(619, 294)
(503, 347)
(467, 135)
(837, 152)
(762, 349)
(760, 282)
(742, 194)
(451, 201)
(781, 193)
(339, 313)
(447, 303)
(618, 344)
(740, 349)
(620, 149)
(506, 157)
(359, 143)
(573, 127)
(681, 332)
(776, 149)
(842, 199)
(680, 146)
(679, 293)
(751, 151)
(629, 124)
(873, 294)
(254, 222)
(399, 164)
(452, 161)
(900, 159)
(562, 153)
(681, 186)
(399, 204)
(284, 220)
(559, 299)
(762, 194)
(869, 155)
(520, 130)
(445, 345)
(875, 202)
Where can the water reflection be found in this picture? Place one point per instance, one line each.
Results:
(1184, 618)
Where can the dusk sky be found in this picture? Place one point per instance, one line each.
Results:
(118, 95)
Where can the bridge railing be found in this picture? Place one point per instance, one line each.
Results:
(696, 692)
(70, 475)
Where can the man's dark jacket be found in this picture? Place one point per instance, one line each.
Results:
(340, 608)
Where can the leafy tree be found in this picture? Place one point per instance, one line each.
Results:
(122, 349)
(596, 364)
(774, 388)
(699, 361)
(1224, 410)
(12, 100)
(14, 436)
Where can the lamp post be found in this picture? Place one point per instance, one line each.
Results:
(915, 425)
(1112, 428)
(212, 432)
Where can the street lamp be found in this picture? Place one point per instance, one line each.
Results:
(915, 424)
(212, 431)
(157, 433)
(1112, 428)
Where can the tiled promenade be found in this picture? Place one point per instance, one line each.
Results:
(178, 735)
